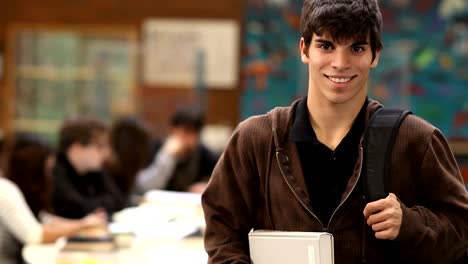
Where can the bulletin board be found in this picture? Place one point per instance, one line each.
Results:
(191, 52)
(57, 72)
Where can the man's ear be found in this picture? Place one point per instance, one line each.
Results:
(304, 51)
(375, 62)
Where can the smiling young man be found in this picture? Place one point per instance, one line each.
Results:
(298, 168)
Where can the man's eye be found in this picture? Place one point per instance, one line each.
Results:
(358, 49)
(325, 46)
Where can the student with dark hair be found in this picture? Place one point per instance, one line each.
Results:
(80, 184)
(131, 150)
(30, 166)
(24, 200)
(182, 162)
(298, 168)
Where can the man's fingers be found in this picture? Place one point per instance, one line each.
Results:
(380, 205)
(388, 234)
(374, 207)
(389, 213)
(384, 216)
(377, 218)
(382, 226)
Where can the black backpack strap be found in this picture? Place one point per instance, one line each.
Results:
(379, 139)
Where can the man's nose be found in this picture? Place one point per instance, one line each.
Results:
(341, 60)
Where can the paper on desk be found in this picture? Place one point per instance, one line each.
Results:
(160, 196)
(156, 221)
(174, 230)
(158, 213)
(145, 214)
(170, 255)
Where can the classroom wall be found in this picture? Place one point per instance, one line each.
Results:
(155, 102)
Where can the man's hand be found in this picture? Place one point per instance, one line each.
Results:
(174, 146)
(96, 219)
(385, 217)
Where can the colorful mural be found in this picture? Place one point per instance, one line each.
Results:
(273, 75)
(424, 64)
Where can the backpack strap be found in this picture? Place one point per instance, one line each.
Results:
(379, 139)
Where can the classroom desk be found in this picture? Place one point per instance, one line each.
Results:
(144, 250)
(160, 224)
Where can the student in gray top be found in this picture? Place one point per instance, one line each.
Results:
(182, 162)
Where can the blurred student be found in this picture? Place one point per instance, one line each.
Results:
(182, 162)
(131, 150)
(80, 184)
(24, 198)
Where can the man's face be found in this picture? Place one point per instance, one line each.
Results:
(189, 137)
(338, 72)
(96, 153)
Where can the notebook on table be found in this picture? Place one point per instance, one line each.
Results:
(93, 239)
(80, 243)
(279, 247)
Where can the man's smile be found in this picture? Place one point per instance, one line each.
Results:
(340, 79)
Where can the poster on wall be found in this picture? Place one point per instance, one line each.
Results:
(59, 73)
(184, 52)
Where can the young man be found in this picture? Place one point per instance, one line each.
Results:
(79, 184)
(298, 168)
(182, 162)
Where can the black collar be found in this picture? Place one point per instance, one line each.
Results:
(302, 130)
(65, 162)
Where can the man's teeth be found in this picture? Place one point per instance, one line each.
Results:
(340, 80)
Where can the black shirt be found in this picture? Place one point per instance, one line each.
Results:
(196, 166)
(326, 172)
(75, 196)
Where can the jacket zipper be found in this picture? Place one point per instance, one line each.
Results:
(297, 197)
(354, 186)
(344, 200)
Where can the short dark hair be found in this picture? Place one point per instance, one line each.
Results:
(343, 20)
(26, 167)
(130, 142)
(80, 130)
(189, 118)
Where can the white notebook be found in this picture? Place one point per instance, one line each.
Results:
(279, 247)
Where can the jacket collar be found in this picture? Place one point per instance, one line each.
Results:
(287, 155)
(280, 116)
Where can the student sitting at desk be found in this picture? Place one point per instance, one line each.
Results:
(24, 198)
(181, 163)
(80, 183)
(131, 150)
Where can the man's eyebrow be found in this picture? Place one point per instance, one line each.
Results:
(360, 43)
(357, 43)
(323, 41)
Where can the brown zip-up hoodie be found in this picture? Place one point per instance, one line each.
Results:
(258, 184)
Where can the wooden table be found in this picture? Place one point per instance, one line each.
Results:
(144, 250)
(159, 225)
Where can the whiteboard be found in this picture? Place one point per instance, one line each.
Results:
(191, 52)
